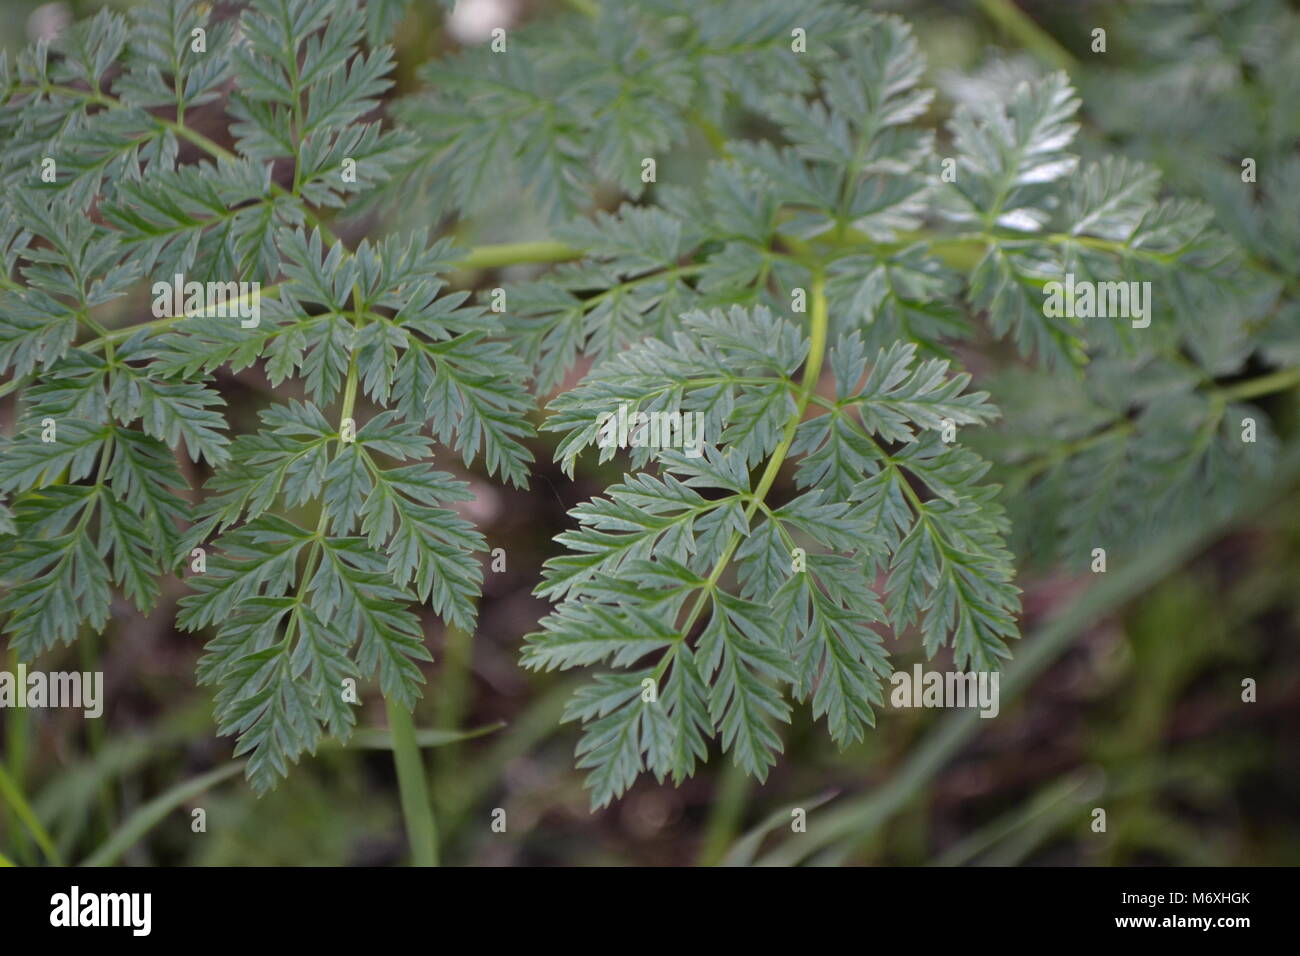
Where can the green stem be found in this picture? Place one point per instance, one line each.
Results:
(479, 257)
(417, 810)
(807, 384)
(1269, 384)
(16, 747)
(13, 796)
(166, 321)
(716, 137)
(1062, 796)
(725, 814)
(517, 253)
(1264, 385)
(372, 738)
(1028, 34)
(452, 698)
(89, 648)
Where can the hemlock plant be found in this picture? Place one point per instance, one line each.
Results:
(814, 295)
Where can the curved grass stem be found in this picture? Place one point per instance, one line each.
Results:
(417, 808)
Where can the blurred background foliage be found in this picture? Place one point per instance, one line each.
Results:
(1126, 692)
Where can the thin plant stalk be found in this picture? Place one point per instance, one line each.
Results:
(417, 809)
